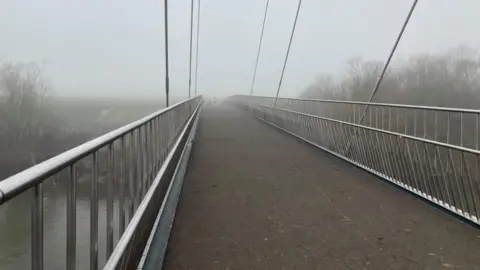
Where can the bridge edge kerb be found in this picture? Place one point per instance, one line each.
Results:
(2, 196)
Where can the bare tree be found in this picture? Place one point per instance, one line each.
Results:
(448, 79)
(25, 116)
(451, 79)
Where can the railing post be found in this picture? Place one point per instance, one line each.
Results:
(123, 173)
(111, 168)
(37, 227)
(94, 214)
(71, 219)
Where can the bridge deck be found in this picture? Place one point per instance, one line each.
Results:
(256, 198)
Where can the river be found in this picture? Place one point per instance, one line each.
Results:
(15, 236)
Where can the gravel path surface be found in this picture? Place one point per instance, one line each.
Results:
(257, 198)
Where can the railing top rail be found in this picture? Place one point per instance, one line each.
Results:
(394, 105)
(16, 184)
(447, 145)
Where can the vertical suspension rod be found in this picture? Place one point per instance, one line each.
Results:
(259, 47)
(384, 70)
(196, 51)
(167, 83)
(288, 51)
(190, 64)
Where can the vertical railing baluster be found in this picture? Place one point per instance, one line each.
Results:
(139, 179)
(404, 159)
(131, 177)
(476, 130)
(461, 129)
(389, 118)
(123, 173)
(473, 210)
(477, 168)
(37, 227)
(135, 172)
(164, 127)
(436, 195)
(166, 137)
(142, 162)
(110, 200)
(151, 151)
(382, 118)
(462, 199)
(424, 161)
(146, 164)
(462, 166)
(446, 187)
(155, 145)
(94, 214)
(454, 197)
(397, 121)
(425, 124)
(461, 144)
(156, 138)
(396, 164)
(354, 114)
(145, 160)
(415, 123)
(435, 124)
(370, 116)
(448, 127)
(412, 168)
(71, 219)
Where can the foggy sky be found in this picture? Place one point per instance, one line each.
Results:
(116, 47)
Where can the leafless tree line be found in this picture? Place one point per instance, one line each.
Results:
(25, 116)
(449, 79)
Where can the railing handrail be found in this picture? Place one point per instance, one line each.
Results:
(18, 183)
(394, 105)
(406, 136)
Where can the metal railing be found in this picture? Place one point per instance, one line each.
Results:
(448, 125)
(137, 160)
(430, 151)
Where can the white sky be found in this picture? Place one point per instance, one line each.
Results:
(116, 47)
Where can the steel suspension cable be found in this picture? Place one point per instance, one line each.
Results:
(259, 47)
(392, 52)
(196, 51)
(384, 70)
(190, 65)
(288, 51)
(167, 84)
